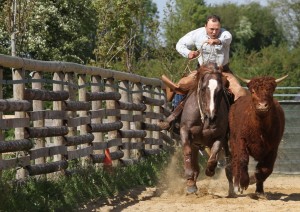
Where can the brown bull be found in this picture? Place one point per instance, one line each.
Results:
(256, 128)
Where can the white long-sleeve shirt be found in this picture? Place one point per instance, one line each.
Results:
(213, 53)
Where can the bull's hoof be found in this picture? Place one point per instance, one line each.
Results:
(261, 195)
(209, 173)
(244, 180)
(257, 196)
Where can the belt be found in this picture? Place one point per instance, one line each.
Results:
(225, 68)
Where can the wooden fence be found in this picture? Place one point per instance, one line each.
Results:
(61, 112)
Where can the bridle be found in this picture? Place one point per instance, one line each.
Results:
(199, 92)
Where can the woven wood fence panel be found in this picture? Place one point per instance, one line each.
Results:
(61, 113)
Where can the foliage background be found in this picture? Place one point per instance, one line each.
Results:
(129, 36)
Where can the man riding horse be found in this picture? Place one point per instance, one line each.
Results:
(213, 44)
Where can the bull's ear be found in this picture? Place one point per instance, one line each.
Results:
(243, 79)
(281, 78)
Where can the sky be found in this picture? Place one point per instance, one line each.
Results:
(161, 3)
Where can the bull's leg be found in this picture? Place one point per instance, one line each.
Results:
(213, 160)
(188, 161)
(264, 169)
(228, 170)
(235, 168)
(240, 160)
(243, 165)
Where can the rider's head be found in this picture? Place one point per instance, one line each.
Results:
(213, 26)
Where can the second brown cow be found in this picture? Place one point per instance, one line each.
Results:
(256, 129)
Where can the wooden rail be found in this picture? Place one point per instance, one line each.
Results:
(62, 111)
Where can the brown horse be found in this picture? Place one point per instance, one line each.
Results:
(204, 124)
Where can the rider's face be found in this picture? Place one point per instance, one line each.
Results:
(213, 29)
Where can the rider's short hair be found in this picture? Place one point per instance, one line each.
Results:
(214, 18)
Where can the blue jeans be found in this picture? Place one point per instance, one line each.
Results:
(177, 99)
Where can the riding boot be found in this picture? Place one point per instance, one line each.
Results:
(164, 125)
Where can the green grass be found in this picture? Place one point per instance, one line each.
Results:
(69, 192)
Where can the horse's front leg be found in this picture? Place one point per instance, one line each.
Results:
(213, 159)
(191, 167)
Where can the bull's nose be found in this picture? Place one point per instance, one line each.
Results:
(262, 106)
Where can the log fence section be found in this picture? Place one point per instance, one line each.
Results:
(61, 113)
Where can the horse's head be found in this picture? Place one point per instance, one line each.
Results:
(210, 91)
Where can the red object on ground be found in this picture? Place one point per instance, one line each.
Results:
(107, 159)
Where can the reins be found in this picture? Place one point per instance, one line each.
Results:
(198, 101)
(213, 51)
(198, 95)
(204, 62)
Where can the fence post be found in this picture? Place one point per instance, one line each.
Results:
(148, 109)
(18, 89)
(111, 105)
(124, 91)
(69, 77)
(82, 98)
(37, 105)
(137, 99)
(156, 109)
(57, 105)
(96, 105)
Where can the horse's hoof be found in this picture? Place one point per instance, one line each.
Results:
(191, 189)
(209, 173)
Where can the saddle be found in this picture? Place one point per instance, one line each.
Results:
(183, 86)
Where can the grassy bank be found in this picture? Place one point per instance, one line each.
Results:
(69, 192)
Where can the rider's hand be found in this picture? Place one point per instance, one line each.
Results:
(213, 41)
(193, 54)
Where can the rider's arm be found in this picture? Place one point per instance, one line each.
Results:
(225, 38)
(186, 43)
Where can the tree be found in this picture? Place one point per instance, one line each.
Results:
(181, 16)
(127, 32)
(63, 30)
(253, 26)
(15, 16)
(51, 30)
(288, 16)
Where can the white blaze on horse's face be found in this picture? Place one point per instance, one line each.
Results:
(212, 85)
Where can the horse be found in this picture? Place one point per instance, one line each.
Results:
(204, 124)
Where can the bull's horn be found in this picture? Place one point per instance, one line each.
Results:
(280, 79)
(243, 79)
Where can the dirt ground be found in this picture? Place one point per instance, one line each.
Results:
(282, 194)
